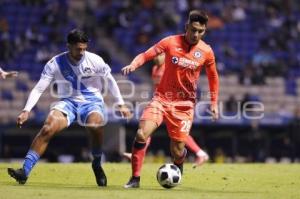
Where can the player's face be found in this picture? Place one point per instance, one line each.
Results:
(194, 32)
(77, 50)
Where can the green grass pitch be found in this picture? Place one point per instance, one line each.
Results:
(211, 181)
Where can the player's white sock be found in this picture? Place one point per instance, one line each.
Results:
(202, 153)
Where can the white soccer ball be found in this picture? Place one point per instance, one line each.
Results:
(168, 176)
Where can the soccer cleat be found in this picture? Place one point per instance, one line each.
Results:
(127, 156)
(201, 158)
(134, 182)
(18, 174)
(100, 176)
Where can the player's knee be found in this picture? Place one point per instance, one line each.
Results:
(46, 132)
(140, 136)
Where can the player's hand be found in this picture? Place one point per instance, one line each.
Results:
(125, 112)
(215, 112)
(128, 69)
(23, 117)
(9, 74)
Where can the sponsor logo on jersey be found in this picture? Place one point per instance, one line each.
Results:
(197, 54)
(87, 70)
(184, 62)
(175, 60)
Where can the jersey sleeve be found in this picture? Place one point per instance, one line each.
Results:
(102, 68)
(36, 93)
(114, 90)
(213, 78)
(162, 45)
(49, 71)
(152, 52)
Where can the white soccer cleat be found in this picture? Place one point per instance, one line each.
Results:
(201, 158)
(127, 156)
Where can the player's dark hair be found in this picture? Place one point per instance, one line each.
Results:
(198, 16)
(77, 36)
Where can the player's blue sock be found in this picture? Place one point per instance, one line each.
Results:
(30, 160)
(96, 153)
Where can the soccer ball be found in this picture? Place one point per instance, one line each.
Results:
(168, 176)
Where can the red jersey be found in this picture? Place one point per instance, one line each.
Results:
(157, 73)
(183, 64)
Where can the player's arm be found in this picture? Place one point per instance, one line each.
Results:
(213, 81)
(115, 91)
(7, 74)
(150, 54)
(159, 60)
(33, 98)
(104, 70)
(36, 92)
(139, 60)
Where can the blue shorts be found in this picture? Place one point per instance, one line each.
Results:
(79, 111)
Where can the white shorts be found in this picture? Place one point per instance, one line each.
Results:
(79, 111)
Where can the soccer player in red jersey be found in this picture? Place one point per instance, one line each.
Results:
(7, 74)
(157, 72)
(174, 98)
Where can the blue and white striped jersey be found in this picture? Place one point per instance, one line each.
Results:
(80, 82)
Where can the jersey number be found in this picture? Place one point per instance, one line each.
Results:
(185, 125)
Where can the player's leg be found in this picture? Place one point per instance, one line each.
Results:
(150, 120)
(92, 117)
(129, 155)
(178, 152)
(192, 145)
(201, 156)
(95, 130)
(55, 122)
(146, 128)
(179, 121)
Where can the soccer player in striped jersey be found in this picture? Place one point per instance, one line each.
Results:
(77, 74)
(174, 99)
